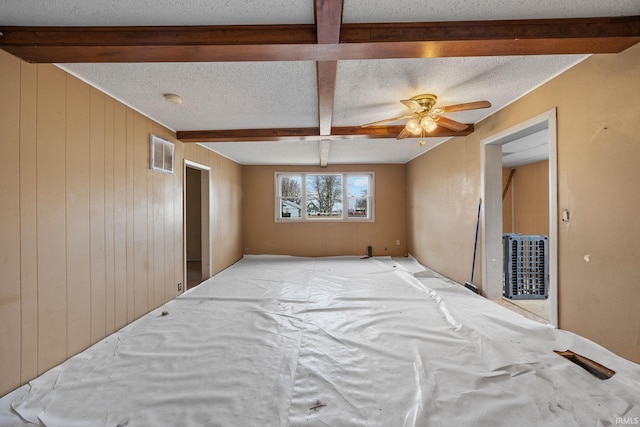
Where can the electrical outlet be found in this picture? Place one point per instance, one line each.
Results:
(180, 287)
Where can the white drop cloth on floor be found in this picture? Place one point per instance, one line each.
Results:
(286, 341)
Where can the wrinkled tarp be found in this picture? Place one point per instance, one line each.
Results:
(339, 341)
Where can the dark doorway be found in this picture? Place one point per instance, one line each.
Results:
(193, 226)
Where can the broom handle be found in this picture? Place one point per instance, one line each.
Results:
(475, 242)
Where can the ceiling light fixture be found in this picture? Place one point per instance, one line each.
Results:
(423, 124)
(425, 119)
(172, 98)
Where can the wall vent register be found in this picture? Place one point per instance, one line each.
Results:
(162, 154)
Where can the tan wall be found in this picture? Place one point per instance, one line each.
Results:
(262, 235)
(525, 209)
(91, 237)
(507, 201)
(442, 206)
(598, 179)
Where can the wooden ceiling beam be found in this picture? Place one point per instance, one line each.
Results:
(218, 35)
(231, 135)
(327, 42)
(299, 42)
(306, 134)
(196, 35)
(564, 28)
(326, 72)
(328, 15)
(442, 49)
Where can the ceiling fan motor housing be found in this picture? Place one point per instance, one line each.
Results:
(426, 101)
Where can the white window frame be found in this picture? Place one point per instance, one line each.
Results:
(304, 217)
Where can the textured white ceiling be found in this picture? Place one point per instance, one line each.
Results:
(528, 149)
(371, 90)
(154, 12)
(221, 95)
(346, 151)
(284, 94)
(246, 12)
(359, 11)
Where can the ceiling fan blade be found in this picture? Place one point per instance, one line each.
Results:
(404, 134)
(393, 119)
(413, 105)
(466, 106)
(451, 124)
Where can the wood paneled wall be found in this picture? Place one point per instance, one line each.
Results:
(226, 197)
(91, 237)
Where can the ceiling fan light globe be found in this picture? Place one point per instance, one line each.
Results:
(428, 124)
(413, 126)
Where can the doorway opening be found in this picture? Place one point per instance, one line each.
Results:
(526, 146)
(197, 241)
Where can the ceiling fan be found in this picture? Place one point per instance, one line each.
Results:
(425, 119)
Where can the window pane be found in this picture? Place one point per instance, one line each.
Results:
(324, 195)
(357, 186)
(358, 196)
(291, 187)
(290, 208)
(358, 207)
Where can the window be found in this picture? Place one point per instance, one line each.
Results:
(290, 196)
(358, 198)
(326, 196)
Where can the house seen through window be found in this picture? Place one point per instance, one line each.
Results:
(329, 196)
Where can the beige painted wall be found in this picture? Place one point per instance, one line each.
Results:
(525, 208)
(262, 235)
(91, 237)
(598, 179)
(443, 191)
